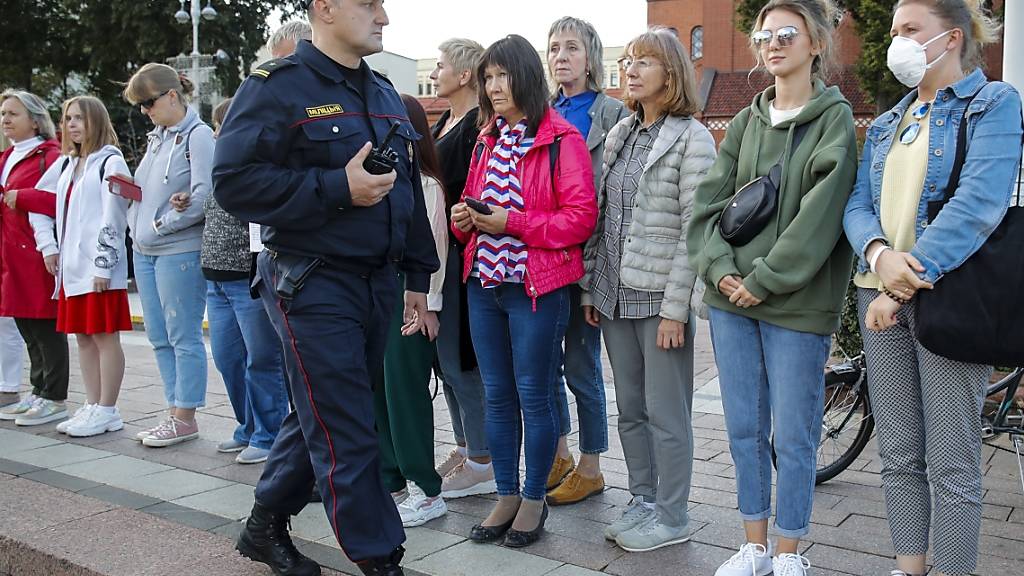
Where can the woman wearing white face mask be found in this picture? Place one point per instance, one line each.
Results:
(927, 407)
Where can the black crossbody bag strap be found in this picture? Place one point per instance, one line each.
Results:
(775, 174)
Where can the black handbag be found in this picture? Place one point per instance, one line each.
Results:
(753, 205)
(973, 313)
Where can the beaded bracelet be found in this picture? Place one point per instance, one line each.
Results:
(892, 295)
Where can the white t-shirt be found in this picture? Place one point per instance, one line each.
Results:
(780, 116)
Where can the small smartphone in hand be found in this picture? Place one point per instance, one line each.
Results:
(124, 188)
(478, 206)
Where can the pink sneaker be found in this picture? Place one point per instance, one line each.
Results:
(172, 431)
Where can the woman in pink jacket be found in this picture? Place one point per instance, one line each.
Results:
(529, 203)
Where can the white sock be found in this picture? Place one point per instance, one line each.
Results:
(108, 410)
(650, 505)
(478, 466)
(461, 450)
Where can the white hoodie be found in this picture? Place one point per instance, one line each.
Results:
(90, 229)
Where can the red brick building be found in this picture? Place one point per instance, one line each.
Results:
(722, 57)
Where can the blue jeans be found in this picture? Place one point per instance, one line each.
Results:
(519, 349)
(765, 370)
(581, 368)
(173, 294)
(247, 352)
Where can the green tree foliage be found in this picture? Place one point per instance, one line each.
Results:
(58, 48)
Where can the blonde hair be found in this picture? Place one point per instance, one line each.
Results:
(37, 111)
(680, 97)
(587, 34)
(820, 18)
(99, 132)
(971, 18)
(462, 54)
(154, 79)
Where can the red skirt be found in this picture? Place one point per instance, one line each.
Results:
(94, 313)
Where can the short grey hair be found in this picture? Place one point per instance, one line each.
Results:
(462, 54)
(591, 42)
(295, 30)
(37, 111)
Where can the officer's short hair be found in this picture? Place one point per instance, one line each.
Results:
(37, 111)
(295, 30)
(462, 54)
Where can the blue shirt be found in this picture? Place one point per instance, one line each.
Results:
(576, 109)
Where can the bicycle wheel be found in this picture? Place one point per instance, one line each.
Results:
(846, 427)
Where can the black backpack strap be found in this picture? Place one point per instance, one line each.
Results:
(958, 166)
(103, 166)
(553, 151)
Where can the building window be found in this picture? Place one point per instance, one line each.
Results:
(613, 79)
(697, 42)
(421, 90)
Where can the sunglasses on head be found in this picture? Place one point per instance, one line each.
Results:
(785, 35)
(147, 104)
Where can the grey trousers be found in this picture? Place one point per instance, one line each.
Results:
(654, 394)
(928, 422)
(463, 389)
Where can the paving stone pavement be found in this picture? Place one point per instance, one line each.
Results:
(194, 486)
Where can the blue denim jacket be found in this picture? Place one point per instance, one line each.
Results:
(986, 184)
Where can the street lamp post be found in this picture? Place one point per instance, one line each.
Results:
(194, 15)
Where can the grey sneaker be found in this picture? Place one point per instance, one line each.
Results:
(172, 431)
(651, 535)
(12, 411)
(635, 514)
(464, 480)
(42, 412)
(252, 455)
(231, 446)
(82, 412)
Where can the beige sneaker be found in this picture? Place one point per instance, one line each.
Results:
(172, 431)
(464, 481)
(453, 460)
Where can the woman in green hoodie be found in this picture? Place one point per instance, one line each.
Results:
(775, 300)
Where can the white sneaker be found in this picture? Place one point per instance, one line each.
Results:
(79, 414)
(417, 509)
(96, 422)
(790, 565)
(751, 560)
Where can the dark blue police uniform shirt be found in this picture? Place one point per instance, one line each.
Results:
(280, 161)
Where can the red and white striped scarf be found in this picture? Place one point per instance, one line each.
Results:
(502, 258)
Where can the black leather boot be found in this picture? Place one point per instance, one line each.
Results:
(385, 565)
(265, 539)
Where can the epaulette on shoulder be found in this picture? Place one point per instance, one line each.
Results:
(383, 77)
(270, 66)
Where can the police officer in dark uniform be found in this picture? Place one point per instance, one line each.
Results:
(339, 221)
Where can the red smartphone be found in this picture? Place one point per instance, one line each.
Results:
(124, 188)
(478, 206)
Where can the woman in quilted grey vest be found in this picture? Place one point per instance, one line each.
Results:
(639, 283)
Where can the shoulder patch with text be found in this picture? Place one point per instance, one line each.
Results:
(324, 110)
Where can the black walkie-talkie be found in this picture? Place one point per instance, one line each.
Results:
(383, 158)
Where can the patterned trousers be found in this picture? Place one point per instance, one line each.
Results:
(928, 422)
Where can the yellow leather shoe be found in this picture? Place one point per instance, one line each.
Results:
(575, 488)
(559, 470)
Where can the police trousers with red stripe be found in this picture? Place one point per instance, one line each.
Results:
(334, 332)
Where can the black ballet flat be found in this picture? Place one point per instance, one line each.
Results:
(482, 534)
(518, 539)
